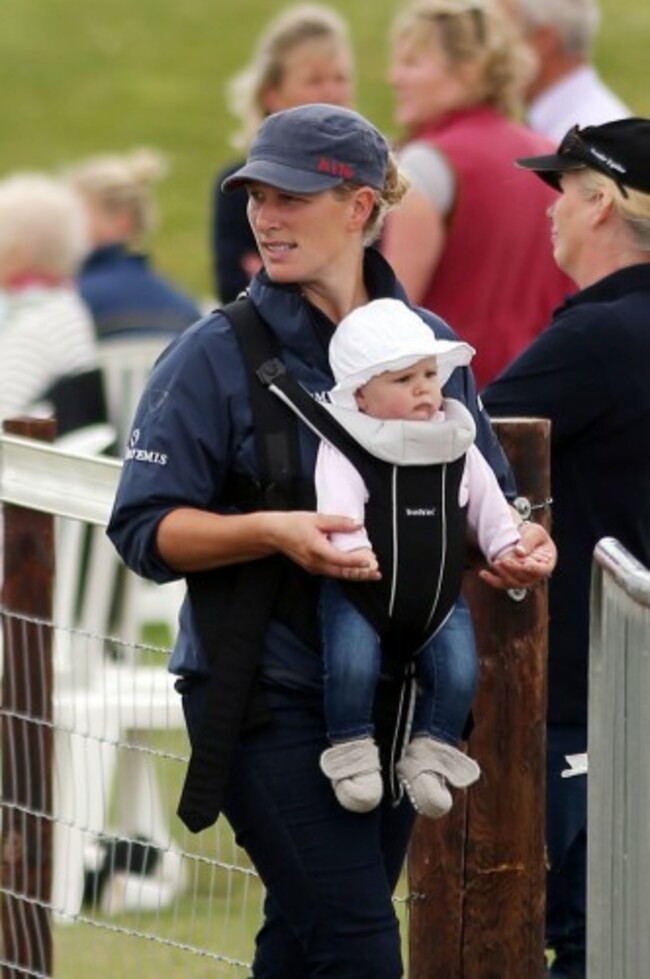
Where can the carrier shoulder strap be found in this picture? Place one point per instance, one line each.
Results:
(315, 415)
(276, 431)
(234, 645)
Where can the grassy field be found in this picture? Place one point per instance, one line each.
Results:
(83, 76)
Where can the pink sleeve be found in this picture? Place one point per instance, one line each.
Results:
(489, 515)
(340, 491)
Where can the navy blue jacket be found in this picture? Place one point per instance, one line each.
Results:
(589, 372)
(125, 294)
(193, 428)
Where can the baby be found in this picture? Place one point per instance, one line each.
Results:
(415, 483)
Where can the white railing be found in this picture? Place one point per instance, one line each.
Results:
(67, 484)
(619, 770)
(119, 751)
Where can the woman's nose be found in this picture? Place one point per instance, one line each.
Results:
(264, 215)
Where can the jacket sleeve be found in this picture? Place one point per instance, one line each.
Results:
(340, 491)
(189, 426)
(488, 512)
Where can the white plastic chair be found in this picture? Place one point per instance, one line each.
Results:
(103, 757)
(77, 603)
(126, 363)
(102, 707)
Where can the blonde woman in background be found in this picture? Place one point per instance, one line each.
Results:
(469, 241)
(304, 55)
(117, 281)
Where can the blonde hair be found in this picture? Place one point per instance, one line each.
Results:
(43, 220)
(293, 27)
(634, 208)
(395, 187)
(117, 183)
(477, 33)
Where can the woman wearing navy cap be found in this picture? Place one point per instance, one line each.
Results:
(319, 180)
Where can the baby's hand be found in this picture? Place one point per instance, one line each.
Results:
(369, 555)
(524, 565)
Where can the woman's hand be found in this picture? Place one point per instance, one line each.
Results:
(303, 536)
(530, 562)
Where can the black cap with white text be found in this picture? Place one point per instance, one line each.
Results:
(619, 149)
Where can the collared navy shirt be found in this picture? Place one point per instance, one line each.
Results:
(589, 372)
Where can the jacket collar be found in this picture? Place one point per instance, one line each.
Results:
(634, 278)
(296, 322)
(110, 254)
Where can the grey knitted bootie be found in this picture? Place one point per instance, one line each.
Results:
(426, 767)
(354, 771)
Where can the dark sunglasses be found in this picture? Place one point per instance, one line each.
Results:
(575, 146)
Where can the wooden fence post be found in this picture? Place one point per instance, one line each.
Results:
(477, 877)
(27, 733)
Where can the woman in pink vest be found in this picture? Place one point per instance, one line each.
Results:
(470, 240)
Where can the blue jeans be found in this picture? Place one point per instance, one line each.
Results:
(446, 670)
(329, 873)
(566, 841)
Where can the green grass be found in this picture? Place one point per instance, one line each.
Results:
(84, 76)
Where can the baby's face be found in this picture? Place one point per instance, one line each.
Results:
(412, 393)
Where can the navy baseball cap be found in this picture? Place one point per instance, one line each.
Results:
(620, 150)
(314, 147)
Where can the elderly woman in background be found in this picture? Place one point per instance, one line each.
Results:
(117, 281)
(304, 55)
(46, 332)
(587, 373)
(469, 240)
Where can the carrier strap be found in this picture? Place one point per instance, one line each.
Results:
(233, 638)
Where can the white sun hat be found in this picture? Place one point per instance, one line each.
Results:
(385, 335)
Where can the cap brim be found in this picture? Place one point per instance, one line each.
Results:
(550, 167)
(281, 176)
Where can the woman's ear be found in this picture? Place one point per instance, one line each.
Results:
(603, 204)
(363, 203)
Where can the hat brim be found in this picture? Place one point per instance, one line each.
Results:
(281, 176)
(550, 168)
(450, 354)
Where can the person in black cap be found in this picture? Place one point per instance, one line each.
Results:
(191, 501)
(588, 373)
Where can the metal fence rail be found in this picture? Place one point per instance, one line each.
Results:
(477, 902)
(619, 771)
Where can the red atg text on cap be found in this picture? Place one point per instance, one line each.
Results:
(335, 168)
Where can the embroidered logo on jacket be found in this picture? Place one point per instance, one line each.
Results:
(143, 455)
